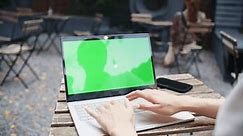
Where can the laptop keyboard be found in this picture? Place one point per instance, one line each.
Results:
(84, 116)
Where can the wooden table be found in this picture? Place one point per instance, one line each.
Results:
(147, 20)
(62, 123)
(54, 23)
(156, 28)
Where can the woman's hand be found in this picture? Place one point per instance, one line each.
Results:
(160, 102)
(115, 118)
(165, 103)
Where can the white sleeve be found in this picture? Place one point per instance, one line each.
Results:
(230, 116)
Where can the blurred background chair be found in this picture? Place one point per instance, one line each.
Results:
(21, 48)
(228, 18)
(229, 44)
(54, 25)
(192, 51)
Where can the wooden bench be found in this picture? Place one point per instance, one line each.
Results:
(63, 125)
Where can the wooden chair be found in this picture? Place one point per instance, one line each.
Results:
(229, 43)
(11, 19)
(54, 25)
(21, 49)
(192, 51)
(141, 18)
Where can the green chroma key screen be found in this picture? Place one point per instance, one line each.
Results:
(106, 64)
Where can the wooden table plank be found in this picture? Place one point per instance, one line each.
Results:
(200, 124)
(61, 107)
(62, 88)
(62, 120)
(193, 82)
(61, 97)
(63, 81)
(65, 118)
(71, 131)
(178, 76)
(60, 131)
(160, 23)
(175, 131)
(56, 17)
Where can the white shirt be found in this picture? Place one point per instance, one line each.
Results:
(230, 116)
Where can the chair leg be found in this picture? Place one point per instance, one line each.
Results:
(177, 64)
(44, 44)
(51, 42)
(27, 64)
(196, 64)
(54, 44)
(11, 69)
(190, 61)
(193, 60)
(1, 59)
(236, 69)
(25, 60)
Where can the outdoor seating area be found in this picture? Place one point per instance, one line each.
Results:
(44, 54)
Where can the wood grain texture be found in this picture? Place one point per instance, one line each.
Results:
(61, 97)
(62, 88)
(61, 107)
(62, 120)
(60, 131)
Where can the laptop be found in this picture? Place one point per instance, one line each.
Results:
(98, 69)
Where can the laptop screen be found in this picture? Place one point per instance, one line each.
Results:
(107, 63)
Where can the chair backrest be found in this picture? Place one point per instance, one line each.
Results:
(204, 27)
(141, 18)
(98, 17)
(8, 16)
(230, 43)
(32, 26)
(11, 20)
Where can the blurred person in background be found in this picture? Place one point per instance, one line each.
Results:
(179, 29)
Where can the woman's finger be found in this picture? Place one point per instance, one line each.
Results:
(101, 109)
(127, 104)
(97, 117)
(131, 96)
(141, 94)
(91, 112)
(113, 102)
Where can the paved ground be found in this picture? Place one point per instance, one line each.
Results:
(29, 112)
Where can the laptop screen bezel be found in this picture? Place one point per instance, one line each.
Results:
(103, 93)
